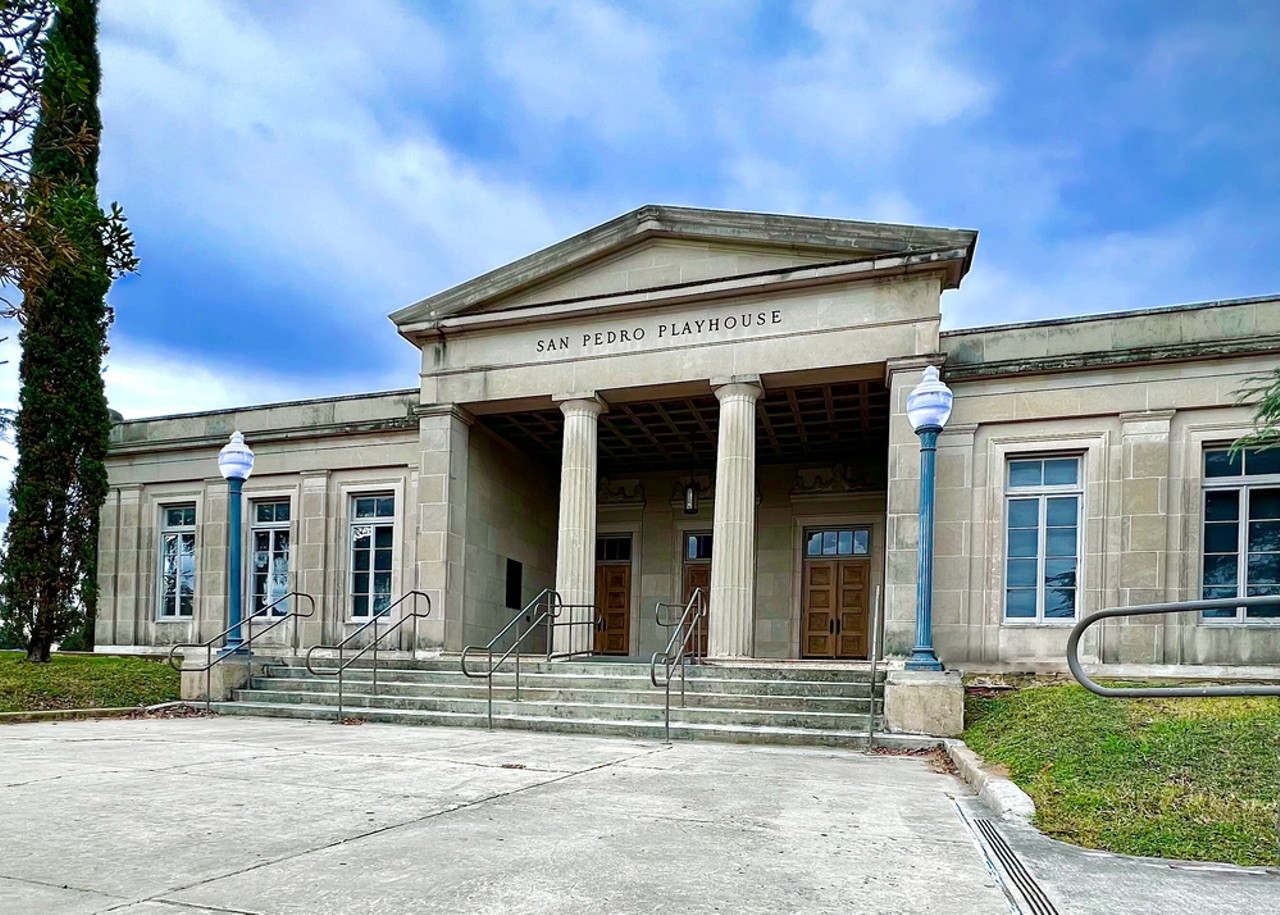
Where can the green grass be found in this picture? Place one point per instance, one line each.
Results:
(1178, 778)
(83, 681)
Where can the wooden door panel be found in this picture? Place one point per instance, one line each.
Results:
(698, 575)
(613, 609)
(819, 609)
(852, 613)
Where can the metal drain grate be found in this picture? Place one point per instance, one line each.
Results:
(1021, 877)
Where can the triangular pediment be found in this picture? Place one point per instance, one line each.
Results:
(658, 247)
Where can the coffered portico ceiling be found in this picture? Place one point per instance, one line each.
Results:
(837, 422)
(659, 255)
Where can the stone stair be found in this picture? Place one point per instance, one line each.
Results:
(756, 703)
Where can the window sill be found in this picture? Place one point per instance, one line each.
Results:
(1239, 624)
(1038, 624)
(174, 619)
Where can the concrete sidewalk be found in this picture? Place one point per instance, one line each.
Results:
(266, 816)
(244, 815)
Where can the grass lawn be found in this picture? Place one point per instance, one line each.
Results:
(1178, 778)
(83, 681)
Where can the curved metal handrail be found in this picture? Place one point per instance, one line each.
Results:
(689, 624)
(373, 643)
(211, 661)
(1165, 692)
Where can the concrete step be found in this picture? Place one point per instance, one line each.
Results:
(567, 710)
(754, 670)
(726, 680)
(801, 736)
(584, 692)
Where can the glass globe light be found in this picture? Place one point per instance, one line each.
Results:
(929, 404)
(235, 460)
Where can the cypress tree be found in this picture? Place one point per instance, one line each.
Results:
(49, 567)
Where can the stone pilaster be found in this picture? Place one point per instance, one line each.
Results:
(310, 557)
(441, 522)
(1144, 544)
(576, 542)
(108, 624)
(733, 552)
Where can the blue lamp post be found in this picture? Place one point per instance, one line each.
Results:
(928, 409)
(235, 462)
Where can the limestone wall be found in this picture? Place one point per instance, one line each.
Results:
(511, 514)
(1141, 430)
(315, 454)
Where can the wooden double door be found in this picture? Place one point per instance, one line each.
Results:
(613, 608)
(836, 602)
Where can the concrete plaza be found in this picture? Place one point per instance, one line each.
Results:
(257, 816)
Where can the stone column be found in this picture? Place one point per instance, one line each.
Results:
(731, 613)
(576, 544)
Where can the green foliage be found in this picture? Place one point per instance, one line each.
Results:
(49, 568)
(1174, 778)
(70, 682)
(1264, 394)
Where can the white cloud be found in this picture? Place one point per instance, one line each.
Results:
(585, 63)
(144, 380)
(261, 140)
(875, 75)
(1113, 271)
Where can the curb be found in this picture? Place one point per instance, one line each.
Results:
(1002, 797)
(82, 714)
(65, 714)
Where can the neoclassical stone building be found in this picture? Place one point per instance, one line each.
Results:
(686, 398)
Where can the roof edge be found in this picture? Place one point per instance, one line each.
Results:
(654, 220)
(1112, 315)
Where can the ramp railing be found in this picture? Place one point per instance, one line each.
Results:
(1172, 692)
(207, 644)
(374, 641)
(1166, 692)
(540, 614)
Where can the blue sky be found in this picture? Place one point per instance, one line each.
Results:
(294, 171)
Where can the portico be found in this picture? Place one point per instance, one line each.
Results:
(751, 357)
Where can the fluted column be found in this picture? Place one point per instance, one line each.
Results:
(733, 546)
(576, 546)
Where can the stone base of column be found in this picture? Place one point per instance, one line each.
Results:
(221, 680)
(924, 702)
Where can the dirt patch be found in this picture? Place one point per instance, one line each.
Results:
(936, 757)
(172, 711)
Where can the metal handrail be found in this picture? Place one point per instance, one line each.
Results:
(550, 616)
(207, 645)
(877, 612)
(689, 624)
(1165, 692)
(340, 670)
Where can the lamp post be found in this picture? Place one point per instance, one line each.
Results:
(928, 409)
(235, 463)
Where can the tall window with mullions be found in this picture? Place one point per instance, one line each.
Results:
(270, 537)
(177, 561)
(1241, 542)
(1043, 501)
(372, 548)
